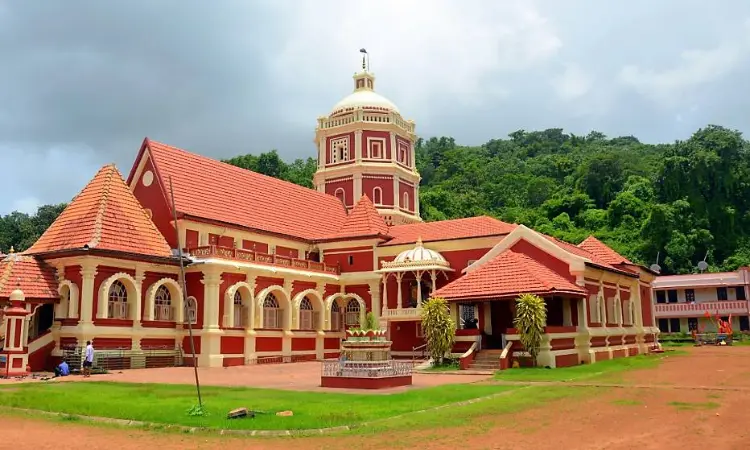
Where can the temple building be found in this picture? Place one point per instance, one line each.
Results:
(277, 272)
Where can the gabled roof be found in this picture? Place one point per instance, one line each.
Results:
(443, 230)
(208, 189)
(34, 277)
(602, 251)
(508, 275)
(105, 216)
(595, 259)
(363, 221)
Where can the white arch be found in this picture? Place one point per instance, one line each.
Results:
(71, 308)
(345, 296)
(175, 292)
(246, 291)
(130, 285)
(343, 195)
(377, 195)
(318, 305)
(284, 298)
(187, 313)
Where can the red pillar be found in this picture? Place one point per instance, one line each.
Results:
(14, 358)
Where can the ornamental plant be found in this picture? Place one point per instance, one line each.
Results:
(531, 317)
(438, 327)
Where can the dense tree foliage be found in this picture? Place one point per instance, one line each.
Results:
(682, 201)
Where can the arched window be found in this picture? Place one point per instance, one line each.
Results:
(377, 196)
(239, 310)
(117, 301)
(191, 310)
(351, 318)
(336, 323)
(163, 304)
(272, 313)
(306, 315)
(341, 195)
(405, 201)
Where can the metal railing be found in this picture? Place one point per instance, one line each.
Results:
(123, 359)
(420, 350)
(164, 313)
(118, 310)
(338, 368)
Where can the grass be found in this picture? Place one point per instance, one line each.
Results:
(445, 367)
(692, 406)
(583, 371)
(169, 404)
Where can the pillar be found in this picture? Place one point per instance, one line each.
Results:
(394, 150)
(359, 151)
(375, 298)
(396, 196)
(567, 316)
(385, 293)
(210, 355)
(357, 184)
(399, 294)
(14, 357)
(433, 276)
(140, 275)
(418, 273)
(88, 296)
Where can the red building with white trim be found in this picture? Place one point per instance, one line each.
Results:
(275, 270)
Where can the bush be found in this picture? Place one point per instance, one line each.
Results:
(531, 316)
(438, 328)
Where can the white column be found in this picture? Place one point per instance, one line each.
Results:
(322, 152)
(416, 199)
(359, 149)
(394, 150)
(88, 272)
(567, 317)
(357, 182)
(418, 273)
(385, 293)
(396, 196)
(433, 276)
(211, 281)
(399, 295)
(375, 298)
(412, 157)
(140, 275)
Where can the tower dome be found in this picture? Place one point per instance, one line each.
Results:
(365, 147)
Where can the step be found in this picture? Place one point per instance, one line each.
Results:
(485, 365)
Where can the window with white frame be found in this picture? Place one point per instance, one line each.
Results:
(306, 315)
(336, 323)
(402, 154)
(163, 304)
(272, 312)
(377, 196)
(339, 150)
(594, 309)
(239, 310)
(191, 310)
(341, 195)
(405, 201)
(467, 315)
(351, 317)
(117, 301)
(627, 306)
(376, 149)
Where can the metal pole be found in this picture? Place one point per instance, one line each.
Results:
(184, 294)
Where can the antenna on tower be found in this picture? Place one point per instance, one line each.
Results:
(365, 60)
(703, 265)
(655, 267)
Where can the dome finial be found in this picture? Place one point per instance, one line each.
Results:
(419, 242)
(12, 250)
(365, 60)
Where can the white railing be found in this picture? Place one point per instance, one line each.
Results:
(118, 310)
(239, 316)
(272, 318)
(403, 313)
(698, 309)
(164, 313)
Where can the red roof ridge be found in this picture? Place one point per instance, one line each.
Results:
(97, 234)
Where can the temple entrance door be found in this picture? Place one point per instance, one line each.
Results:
(501, 318)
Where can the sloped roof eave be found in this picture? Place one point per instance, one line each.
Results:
(509, 296)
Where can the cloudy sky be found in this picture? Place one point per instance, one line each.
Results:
(83, 82)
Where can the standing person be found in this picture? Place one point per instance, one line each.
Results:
(88, 361)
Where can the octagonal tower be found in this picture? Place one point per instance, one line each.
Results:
(365, 147)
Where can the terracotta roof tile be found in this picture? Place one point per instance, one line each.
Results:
(104, 215)
(449, 229)
(363, 220)
(213, 190)
(582, 252)
(34, 277)
(602, 251)
(508, 275)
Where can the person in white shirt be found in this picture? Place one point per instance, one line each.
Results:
(88, 361)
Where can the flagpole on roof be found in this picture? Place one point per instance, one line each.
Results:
(184, 295)
(366, 68)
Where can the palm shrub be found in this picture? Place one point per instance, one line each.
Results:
(438, 328)
(531, 317)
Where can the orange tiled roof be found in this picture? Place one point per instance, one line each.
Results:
(602, 251)
(449, 229)
(213, 190)
(363, 220)
(508, 275)
(34, 277)
(104, 215)
(578, 251)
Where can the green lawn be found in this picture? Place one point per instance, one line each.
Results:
(169, 404)
(588, 372)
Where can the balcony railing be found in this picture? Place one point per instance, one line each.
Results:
(403, 313)
(698, 309)
(237, 254)
(164, 313)
(118, 310)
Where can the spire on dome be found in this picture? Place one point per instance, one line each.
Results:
(364, 80)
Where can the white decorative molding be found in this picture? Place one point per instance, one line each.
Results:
(175, 294)
(130, 285)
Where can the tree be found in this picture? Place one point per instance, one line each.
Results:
(531, 317)
(438, 327)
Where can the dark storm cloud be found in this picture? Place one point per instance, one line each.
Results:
(82, 82)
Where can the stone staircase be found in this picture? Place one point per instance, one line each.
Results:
(486, 360)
